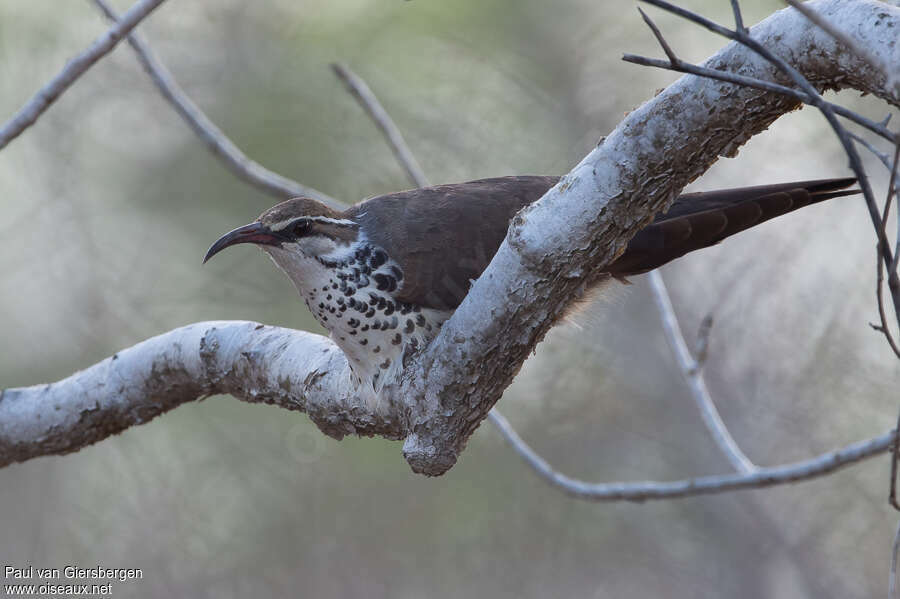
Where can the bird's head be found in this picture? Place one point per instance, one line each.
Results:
(301, 235)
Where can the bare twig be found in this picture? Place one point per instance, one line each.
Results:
(360, 90)
(676, 64)
(681, 66)
(892, 196)
(738, 19)
(883, 157)
(819, 465)
(895, 456)
(217, 142)
(75, 68)
(693, 376)
(892, 580)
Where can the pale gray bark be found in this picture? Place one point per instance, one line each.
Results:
(545, 262)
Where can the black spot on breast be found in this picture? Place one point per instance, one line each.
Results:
(353, 323)
(390, 309)
(394, 322)
(409, 326)
(377, 349)
(351, 302)
(385, 325)
(349, 291)
(420, 320)
(370, 313)
(363, 341)
(378, 258)
(321, 305)
(384, 282)
(396, 340)
(373, 299)
(363, 281)
(405, 308)
(385, 365)
(328, 297)
(398, 274)
(353, 332)
(334, 285)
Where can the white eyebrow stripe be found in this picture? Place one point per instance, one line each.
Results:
(342, 222)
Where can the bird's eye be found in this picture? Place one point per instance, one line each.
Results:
(300, 227)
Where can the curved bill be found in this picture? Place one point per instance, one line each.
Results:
(256, 233)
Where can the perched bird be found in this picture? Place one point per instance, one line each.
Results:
(383, 275)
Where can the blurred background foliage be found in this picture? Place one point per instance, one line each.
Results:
(108, 204)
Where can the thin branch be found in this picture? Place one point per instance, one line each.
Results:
(216, 141)
(895, 455)
(884, 158)
(75, 68)
(360, 90)
(681, 66)
(892, 196)
(892, 580)
(693, 377)
(738, 19)
(817, 466)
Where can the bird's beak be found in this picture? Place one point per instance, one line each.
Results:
(257, 233)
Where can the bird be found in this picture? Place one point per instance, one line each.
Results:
(383, 275)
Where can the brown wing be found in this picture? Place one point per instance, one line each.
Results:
(446, 234)
(699, 220)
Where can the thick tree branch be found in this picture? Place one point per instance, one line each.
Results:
(216, 141)
(252, 362)
(547, 260)
(75, 68)
(585, 221)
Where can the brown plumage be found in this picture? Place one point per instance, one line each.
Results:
(443, 237)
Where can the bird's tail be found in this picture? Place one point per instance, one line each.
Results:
(699, 220)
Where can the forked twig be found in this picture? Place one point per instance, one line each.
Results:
(690, 369)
